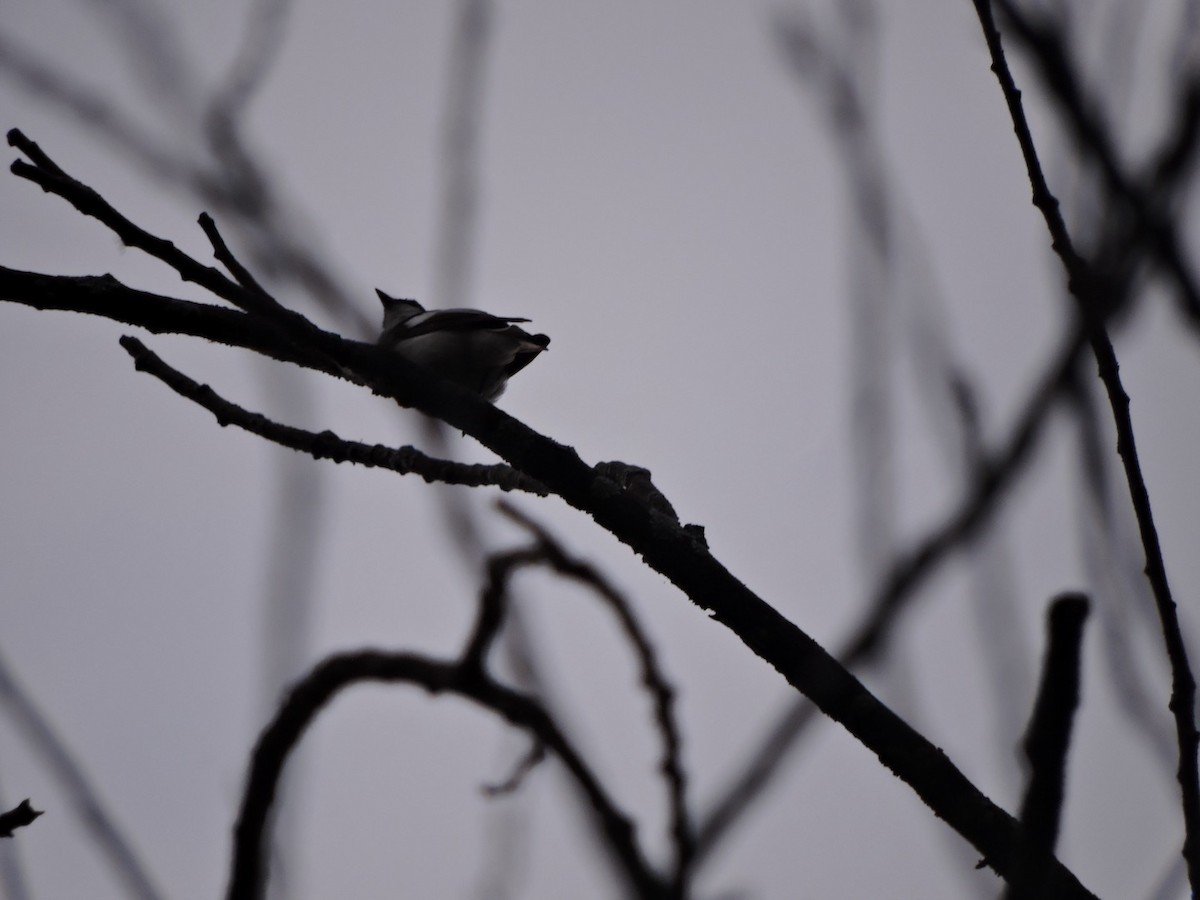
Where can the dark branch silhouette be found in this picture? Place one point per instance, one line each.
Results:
(326, 444)
(1092, 298)
(664, 544)
(1046, 743)
(1148, 224)
(653, 680)
(335, 674)
(993, 478)
(20, 816)
(525, 765)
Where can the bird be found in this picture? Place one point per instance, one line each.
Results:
(472, 348)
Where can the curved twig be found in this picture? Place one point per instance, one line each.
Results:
(655, 682)
(493, 603)
(336, 673)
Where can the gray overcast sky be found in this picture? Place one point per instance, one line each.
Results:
(662, 198)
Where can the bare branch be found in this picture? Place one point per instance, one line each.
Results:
(835, 70)
(326, 444)
(679, 554)
(107, 297)
(1121, 596)
(1046, 744)
(493, 604)
(223, 255)
(1090, 297)
(993, 477)
(19, 816)
(1149, 223)
(47, 175)
(653, 679)
(525, 765)
(335, 674)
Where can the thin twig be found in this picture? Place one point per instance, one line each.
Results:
(1122, 597)
(326, 444)
(495, 613)
(1087, 293)
(335, 674)
(526, 764)
(661, 692)
(223, 255)
(50, 177)
(493, 603)
(1149, 221)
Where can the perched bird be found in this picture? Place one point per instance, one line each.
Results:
(471, 348)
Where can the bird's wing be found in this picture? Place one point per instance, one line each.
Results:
(452, 320)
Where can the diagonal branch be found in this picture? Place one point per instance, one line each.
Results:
(994, 476)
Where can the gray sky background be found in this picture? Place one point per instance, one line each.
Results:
(662, 198)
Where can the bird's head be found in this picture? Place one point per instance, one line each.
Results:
(397, 310)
